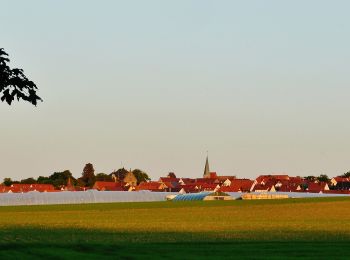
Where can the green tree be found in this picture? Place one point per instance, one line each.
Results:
(88, 177)
(323, 178)
(28, 181)
(140, 176)
(119, 174)
(310, 178)
(14, 84)
(346, 175)
(171, 175)
(103, 177)
(7, 181)
(58, 179)
(44, 180)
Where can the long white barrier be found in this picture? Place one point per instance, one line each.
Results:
(94, 196)
(78, 197)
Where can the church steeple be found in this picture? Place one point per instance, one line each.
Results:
(206, 169)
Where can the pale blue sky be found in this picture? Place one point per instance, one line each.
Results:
(263, 85)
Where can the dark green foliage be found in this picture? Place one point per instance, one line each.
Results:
(346, 175)
(303, 186)
(28, 181)
(119, 174)
(171, 175)
(57, 179)
(14, 84)
(310, 178)
(44, 180)
(88, 177)
(323, 178)
(7, 181)
(103, 177)
(140, 176)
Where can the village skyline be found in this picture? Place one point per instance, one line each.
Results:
(183, 175)
(136, 180)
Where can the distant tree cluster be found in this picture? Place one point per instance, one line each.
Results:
(57, 179)
(321, 178)
(87, 179)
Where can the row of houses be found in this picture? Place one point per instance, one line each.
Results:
(264, 183)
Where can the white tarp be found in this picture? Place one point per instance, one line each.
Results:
(77, 197)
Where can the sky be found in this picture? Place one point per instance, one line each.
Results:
(263, 86)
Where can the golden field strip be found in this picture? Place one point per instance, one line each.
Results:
(291, 224)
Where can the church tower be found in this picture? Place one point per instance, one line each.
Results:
(206, 169)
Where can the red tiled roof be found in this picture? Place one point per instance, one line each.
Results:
(271, 177)
(316, 187)
(19, 188)
(107, 186)
(167, 179)
(152, 186)
(213, 175)
(267, 187)
(341, 179)
(190, 188)
(188, 180)
(224, 178)
(207, 186)
(243, 185)
(205, 180)
(229, 189)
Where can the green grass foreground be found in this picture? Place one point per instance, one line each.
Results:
(275, 229)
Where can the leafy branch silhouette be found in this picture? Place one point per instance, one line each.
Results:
(14, 84)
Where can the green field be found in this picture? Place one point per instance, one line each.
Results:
(293, 228)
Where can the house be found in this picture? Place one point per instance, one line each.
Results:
(107, 186)
(206, 180)
(189, 188)
(342, 185)
(69, 186)
(22, 188)
(319, 187)
(130, 179)
(263, 179)
(173, 184)
(208, 187)
(152, 186)
(266, 187)
(186, 181)
(337, 179)
(237, 185)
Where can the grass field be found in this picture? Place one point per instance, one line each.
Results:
(310, 228)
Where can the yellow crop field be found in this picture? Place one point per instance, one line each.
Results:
(306, 227)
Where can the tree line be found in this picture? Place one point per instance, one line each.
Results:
(87, 179)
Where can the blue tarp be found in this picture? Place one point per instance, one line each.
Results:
(191, 196)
